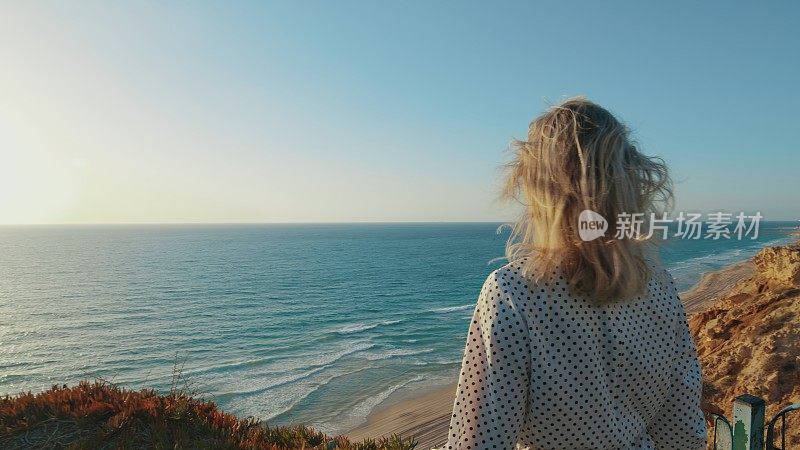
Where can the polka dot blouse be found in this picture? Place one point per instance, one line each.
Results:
(543, 369)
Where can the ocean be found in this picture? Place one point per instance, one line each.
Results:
(313, 324)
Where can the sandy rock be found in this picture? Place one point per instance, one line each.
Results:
(779, 264)
(749, 340)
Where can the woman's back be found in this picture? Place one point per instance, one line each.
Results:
(544, 369)
(548, 368)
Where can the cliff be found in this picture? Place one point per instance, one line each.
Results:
(748, 339)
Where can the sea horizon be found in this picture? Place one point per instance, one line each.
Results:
(786, 222)
(314, 323)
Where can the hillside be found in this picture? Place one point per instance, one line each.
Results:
(748, 339)
(103, 416)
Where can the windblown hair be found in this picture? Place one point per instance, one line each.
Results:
(578, 157)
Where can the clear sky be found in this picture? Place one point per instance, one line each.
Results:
(377, 111)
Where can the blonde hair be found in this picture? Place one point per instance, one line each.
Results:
(577, 157)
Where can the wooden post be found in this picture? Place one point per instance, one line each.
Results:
(748, 423)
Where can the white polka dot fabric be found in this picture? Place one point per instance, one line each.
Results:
(543, 369)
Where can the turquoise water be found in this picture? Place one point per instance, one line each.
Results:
(290, 323)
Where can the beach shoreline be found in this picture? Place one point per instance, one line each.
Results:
(425, 414)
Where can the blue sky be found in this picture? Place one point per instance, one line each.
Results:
(377, 111)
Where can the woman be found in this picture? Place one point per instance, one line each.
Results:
(579, 344)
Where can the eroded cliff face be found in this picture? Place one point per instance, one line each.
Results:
(749, 339)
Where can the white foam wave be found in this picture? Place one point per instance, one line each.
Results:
(397, 352)
(448, 309)
(359, 327)
(306, 369)
(438, 362)
(359, 412)
(355, 328)
(725, 257)
(303, 394)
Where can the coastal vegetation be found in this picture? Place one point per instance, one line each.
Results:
(99, 414)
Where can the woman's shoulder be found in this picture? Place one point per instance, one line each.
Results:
(511, 279)
(659, 273)
(519, 278)
(508, 271)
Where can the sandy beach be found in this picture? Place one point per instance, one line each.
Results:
(426, 417)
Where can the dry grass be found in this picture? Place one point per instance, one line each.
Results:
(100, 415)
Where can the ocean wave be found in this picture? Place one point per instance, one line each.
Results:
(397, 352)
(327, 359)
(364, 408)
(306, 393)
(360, 411)
(726, 257)
(729, 255)
(359, 327)
(272, 385)
(266, 363)
(232, 366)
(448, 309)
(688, 272)
(306, 370)
(438, 362)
